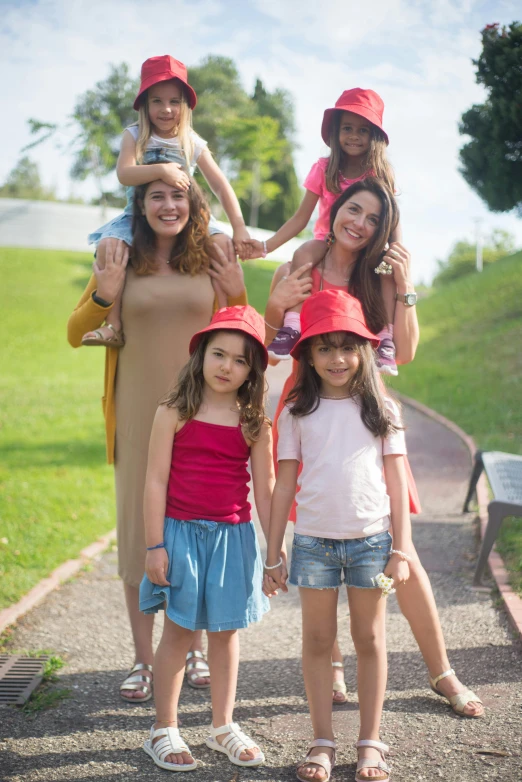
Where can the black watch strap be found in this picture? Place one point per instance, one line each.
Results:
(101, 302)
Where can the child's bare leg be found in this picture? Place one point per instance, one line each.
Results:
(223, 658)
(225, 244)
(339, 692)
(113, 319)
(319, 607)
(169, 668)
(367, 624)
(386, 350)
(288, 335)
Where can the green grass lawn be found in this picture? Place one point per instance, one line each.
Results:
(56, 491)
(469, 368)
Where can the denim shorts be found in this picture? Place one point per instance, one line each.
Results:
(215, 574)
(324, 563)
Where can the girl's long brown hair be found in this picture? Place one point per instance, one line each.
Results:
(190, 252)
(364, 284)
(187, 395)
(376, 161)
(304, 398)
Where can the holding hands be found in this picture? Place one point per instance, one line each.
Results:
(250, 249)
(275, 577)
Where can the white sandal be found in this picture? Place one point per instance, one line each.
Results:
(196, 667)
(457, 702)
(234, 744)
(320, 759)
(139, 683)
(378, 764)
(171, 743)
(339, 686)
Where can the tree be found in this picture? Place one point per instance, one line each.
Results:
(462, 258)
(24, 182)
(492, 160)
(97, 122)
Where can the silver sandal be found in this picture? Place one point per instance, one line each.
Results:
(140, 683)
(196, 667)
(457, 702)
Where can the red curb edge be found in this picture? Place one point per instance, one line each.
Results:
(10, 615)
(512, 601)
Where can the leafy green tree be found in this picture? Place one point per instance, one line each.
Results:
(96, 124)
(492, 160)
(462, 258)
(24, 182)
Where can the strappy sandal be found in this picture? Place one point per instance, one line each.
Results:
(234, 744)
(320, 759)
(115, 341)
(378, 764)
(169, 743)
(457, 702)
(339, 686)
(197, 669)
(141, 683)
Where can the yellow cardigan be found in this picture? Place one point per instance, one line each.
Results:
(87, 316)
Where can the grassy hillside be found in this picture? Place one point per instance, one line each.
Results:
(56, 492)
(469, 367)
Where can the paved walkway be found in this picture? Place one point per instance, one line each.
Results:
(95, 736)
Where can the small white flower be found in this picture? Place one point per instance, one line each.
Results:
(385, 583)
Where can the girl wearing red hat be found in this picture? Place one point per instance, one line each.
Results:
(203, 564)
(353, 130)
(348, 437)
(163, 138)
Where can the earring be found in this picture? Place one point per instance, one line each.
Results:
(330, 239)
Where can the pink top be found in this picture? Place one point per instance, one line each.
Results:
(316, 183)
(342, 489)
(208, 475)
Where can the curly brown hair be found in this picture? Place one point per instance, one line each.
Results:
(187, 395)
(364, 284)
(190, 252)
(304, 398)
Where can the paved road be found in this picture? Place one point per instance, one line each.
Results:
(94, 736)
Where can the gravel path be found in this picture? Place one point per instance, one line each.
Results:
(93, 735)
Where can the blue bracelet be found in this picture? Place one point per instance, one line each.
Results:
(151, 548)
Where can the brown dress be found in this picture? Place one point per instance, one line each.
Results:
(160, 314)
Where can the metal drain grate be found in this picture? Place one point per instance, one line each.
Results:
(19, 676)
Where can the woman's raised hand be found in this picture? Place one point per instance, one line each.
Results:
(111, 277)
(292, 289)
(399, 259)
(227, 272)
(174, 175)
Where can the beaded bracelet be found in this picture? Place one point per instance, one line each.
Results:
(273, 567)
(159, 545)
(275, 328)
(401, 554)
(265, 250)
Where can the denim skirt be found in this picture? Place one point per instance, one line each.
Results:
(215, 574)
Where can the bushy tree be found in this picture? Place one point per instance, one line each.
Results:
(462, 258)
(24, 182)
(492, 160)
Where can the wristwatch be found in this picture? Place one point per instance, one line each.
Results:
(408, 299)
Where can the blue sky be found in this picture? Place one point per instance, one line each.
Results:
(416, 54)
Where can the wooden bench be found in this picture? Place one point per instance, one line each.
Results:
(504, 471)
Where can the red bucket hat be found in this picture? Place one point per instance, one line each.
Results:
(163, 68)
(239, 318)
(329, 311)
(365, 103)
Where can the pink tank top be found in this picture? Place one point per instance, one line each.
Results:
(208, 474)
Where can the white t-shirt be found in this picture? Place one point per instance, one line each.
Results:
(342, 488)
